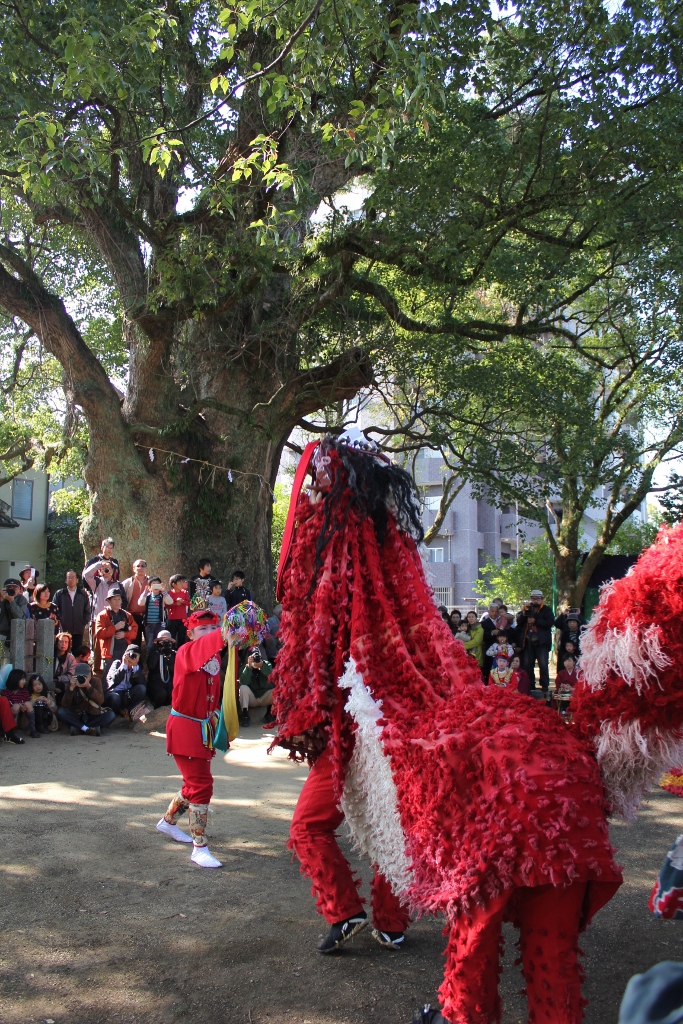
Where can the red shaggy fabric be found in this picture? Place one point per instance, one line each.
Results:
(652, 593)
(494, 791)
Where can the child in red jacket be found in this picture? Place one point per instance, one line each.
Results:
(190, 730)
(567, 678)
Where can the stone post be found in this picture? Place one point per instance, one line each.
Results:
(17, 643)
(45, 650)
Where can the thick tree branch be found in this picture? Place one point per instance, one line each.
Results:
(47, 317)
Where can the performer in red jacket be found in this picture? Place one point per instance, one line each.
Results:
(191, 729)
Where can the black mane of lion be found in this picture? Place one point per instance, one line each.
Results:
(378, 490)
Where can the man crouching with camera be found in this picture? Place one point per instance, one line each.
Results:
(160, 669)
(255, 690)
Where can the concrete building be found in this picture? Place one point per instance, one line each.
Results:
(475, 530)
(23, 523)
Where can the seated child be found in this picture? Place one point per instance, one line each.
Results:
(567, 677)
(522, 682)
(16, 691)
(501, 674)
(44, 706)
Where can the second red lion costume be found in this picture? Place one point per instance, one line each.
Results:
(473, 802)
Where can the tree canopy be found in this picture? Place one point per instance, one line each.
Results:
(161, 172)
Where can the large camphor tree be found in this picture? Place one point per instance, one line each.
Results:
(172, 158)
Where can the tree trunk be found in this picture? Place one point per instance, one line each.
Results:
(173, 514)
(207, 492)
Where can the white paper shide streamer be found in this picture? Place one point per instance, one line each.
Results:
(370, 802)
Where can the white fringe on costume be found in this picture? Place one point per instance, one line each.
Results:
(634, 653)
(631, 763)
(370, 802)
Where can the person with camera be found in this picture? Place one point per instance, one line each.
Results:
(64, 664)
(160, 669)
(125, 681)
(28, 577)
(13, 605)
(100, 578)
(82, 704)
(154, 611)
(114, 630)
(255, 690)
(136, 591)
(536, 623)
(106, 554)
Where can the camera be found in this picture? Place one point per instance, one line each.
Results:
(12, 591)
(165, 646)
(256, 657)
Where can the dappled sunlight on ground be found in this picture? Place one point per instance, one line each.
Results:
(104, 919)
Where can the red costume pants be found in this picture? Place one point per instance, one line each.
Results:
(197, 785)
(313, 839)
(548, 919)
(7, 722)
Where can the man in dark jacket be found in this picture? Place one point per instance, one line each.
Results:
(125, 682)
(160, 669)
(74, 609)
(535, 630)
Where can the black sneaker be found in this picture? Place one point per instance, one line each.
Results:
(428, 1016)
(12, 737)
(244, 718)
(269, 718)
(392, 940)
(342, 932)
(73, 731)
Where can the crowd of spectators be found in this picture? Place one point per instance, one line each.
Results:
(524, 640)
(135, 627)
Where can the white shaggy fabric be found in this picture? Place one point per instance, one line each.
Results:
(370, 802)
(631, 763)
(633, 653)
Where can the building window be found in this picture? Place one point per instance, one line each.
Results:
(435, 554)
(22, 499)
(432, 502)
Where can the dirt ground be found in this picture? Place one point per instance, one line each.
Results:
(104, 919)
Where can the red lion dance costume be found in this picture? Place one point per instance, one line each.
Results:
(473, 802)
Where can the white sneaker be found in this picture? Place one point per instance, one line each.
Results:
(201, 856)
(173, 831)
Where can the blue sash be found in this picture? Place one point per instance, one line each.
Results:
(209, 726)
